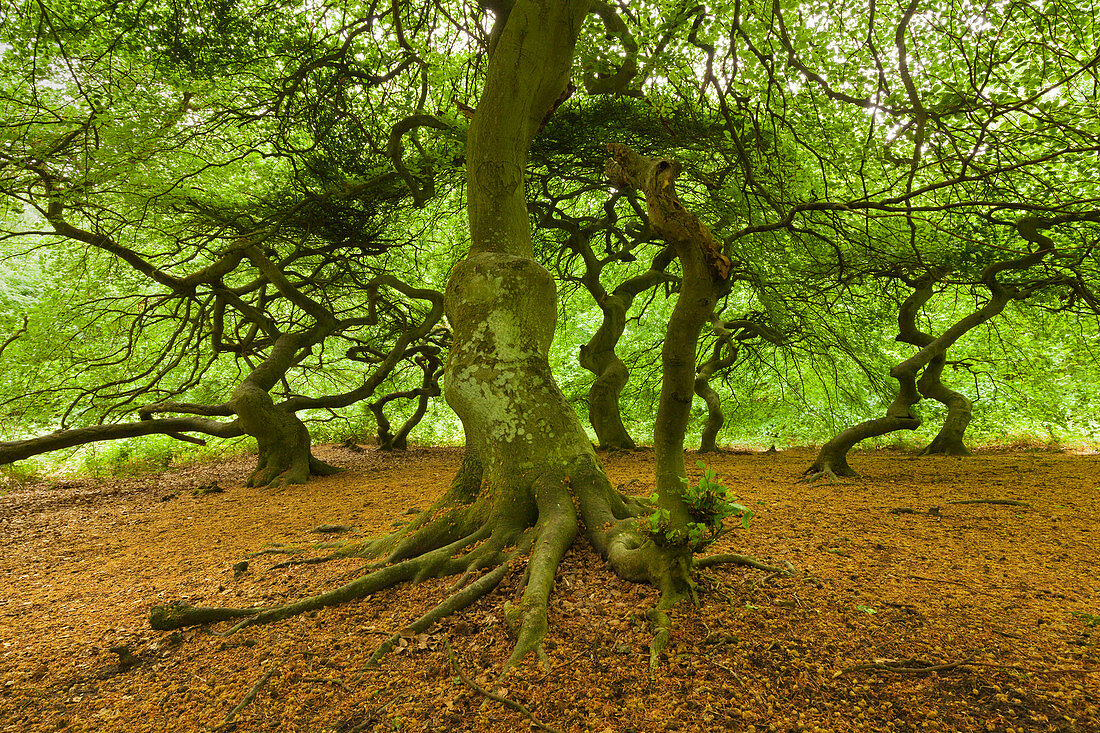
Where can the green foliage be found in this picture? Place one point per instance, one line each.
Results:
(176, 127)
(19, 475)
(708, 502)
(1088, 619)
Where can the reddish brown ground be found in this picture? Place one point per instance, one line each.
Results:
(1013, 591)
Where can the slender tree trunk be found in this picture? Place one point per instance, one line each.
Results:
(719, 359)
(959, 409)
(949, 441)
(832, 458)
(383, 433)
(430, 388)
(430, 363)
(704, 268)
(598, 356)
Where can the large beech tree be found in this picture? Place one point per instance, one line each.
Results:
(530, 482)
(814, 156)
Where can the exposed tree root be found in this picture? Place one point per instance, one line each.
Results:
(306, 561)
(498, 698)
(457, 602)
(660, 624)
(276, 551)
(556, 531)
(532, 527)
(824, 475)
(179, 615)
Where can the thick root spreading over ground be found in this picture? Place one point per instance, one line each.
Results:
(481, 542)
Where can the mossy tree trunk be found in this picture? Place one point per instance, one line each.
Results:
(530, 482)
(960, 410)
(705, 268)
(282, 439)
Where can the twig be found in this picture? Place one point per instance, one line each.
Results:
(885, 667)
(327, 681)
(1002, 502)
(482, 691)
(276, 551)
(1037, 670)
(968, 662)
(249, 696)
(723, 559)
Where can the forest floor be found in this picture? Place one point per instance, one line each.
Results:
(892, 577)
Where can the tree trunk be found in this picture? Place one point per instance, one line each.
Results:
(949, 441)
(530, 481)
(704, 268)
(282, 439)
(832, 459)
(598, 356)
(538, 464)
(719, 359)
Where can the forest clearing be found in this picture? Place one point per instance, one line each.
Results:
(1003, 599)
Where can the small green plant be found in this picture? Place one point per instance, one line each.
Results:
(866, 609)
(18, 475)
(1087, 618)
(709, 504)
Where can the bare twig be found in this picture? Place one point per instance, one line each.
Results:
(899, 669)
(482, 691)
(249, 696)
(724, 559)
(1002, 502)
(327, 681)
(968, 662)
(1037, 670)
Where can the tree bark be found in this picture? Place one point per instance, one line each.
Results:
(731, 335)
(960, 410)
(429, 361)
(281, 437)
(832, 458)
(704, 268)
(598, 356)
(537, 462)
(949, 440)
